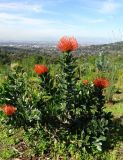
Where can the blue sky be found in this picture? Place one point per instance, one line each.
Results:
(38, 20)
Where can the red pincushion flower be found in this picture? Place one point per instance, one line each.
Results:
(85, 82)
(67, 44)
(101, 82)
(9, 110)
(40, 69)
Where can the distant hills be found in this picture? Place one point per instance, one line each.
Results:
(50, 48)
(116, 47)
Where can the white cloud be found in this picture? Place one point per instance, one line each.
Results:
(87, 19)
(109, 6)
(21, 6)
(46, 32)
(16, 19)
(94, 21)
(17, 27)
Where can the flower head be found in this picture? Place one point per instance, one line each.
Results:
(9, 110)
(40, 69)
(67, 44)
(85, 82)
(101, 82)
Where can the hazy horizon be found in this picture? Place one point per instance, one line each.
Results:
(90, 21)
(53, 41)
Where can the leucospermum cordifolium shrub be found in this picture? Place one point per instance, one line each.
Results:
(69, 114)
(83, 103)
(16, 99)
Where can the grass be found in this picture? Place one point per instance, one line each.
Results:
(116, 109)
(6, 145)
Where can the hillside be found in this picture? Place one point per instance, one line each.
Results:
(116, 47)
(17, 51)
